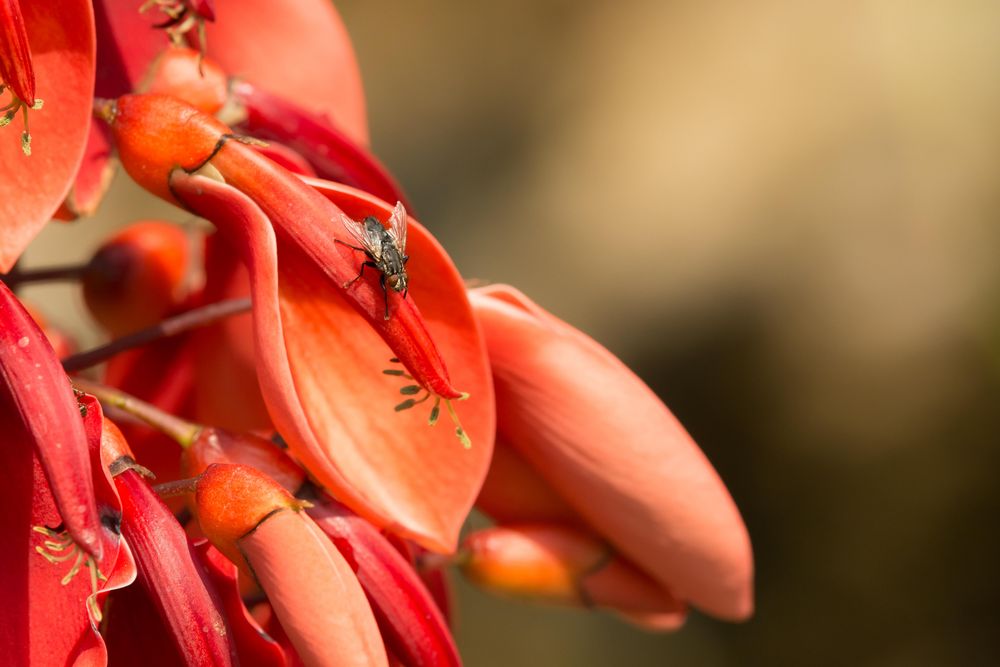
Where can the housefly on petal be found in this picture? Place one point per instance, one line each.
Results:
(384, 248)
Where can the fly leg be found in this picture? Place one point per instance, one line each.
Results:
(352, 247)
(385, 293)
(358, 277)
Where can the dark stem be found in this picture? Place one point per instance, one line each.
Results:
(192, 319)
(178, 488)
(19, 276)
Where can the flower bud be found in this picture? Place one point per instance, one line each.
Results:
(185, 74)
(216, 445)
(562, 565)
(137, 277)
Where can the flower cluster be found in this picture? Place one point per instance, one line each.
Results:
(298, 411)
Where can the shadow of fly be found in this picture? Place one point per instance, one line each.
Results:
(384, 248)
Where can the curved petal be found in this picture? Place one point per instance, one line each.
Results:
(608, 445)
(33, 384)
(322, 378)
(61, 36)
(254, 647)
(298, 49)
(172, 577)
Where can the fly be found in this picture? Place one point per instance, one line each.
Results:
(384, 248)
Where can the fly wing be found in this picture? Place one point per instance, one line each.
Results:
(397, 227)
(370, 242)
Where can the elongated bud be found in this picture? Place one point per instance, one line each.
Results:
(560, 565)
(168, 569)
(311, 588)
(138, 276)
(156, 134)
(233, 500)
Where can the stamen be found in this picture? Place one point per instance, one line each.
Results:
(10, 111)
(397, 373)
(410, 402)
(410, 389)
(460, 433)
(61, 541)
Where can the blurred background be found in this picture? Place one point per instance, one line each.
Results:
(783, 215)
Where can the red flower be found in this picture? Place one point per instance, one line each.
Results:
(355, 348)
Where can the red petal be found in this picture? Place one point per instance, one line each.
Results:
(413, 627)
(34, 383)
(332, 153)
(15, 56)
(298, 49)
(171, 576)
(603, 440)
(323, 384)
(61, 35)
(254, 647)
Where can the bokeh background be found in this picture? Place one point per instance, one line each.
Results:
(783, 215)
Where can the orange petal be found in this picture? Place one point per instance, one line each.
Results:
(608, 445)
(298, 49)
(314, 592)
(323, 384)
(61, 36)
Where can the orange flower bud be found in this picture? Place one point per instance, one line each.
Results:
(232, 500)
(184, 74)
(215, 445)
(156, 134)
(137, 277)
(562, 565)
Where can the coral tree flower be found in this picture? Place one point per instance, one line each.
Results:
(393, 469)
(612, 451)
(47, 52)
